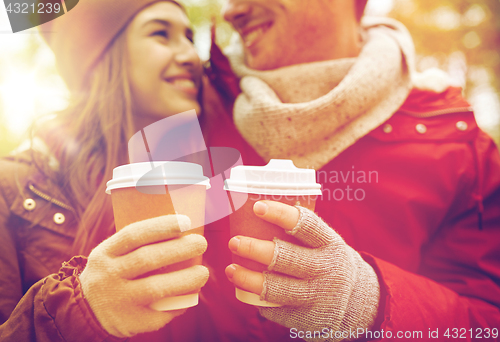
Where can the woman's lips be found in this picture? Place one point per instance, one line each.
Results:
(185, 84)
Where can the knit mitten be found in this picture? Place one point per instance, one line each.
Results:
(324, 287)
(112, 282)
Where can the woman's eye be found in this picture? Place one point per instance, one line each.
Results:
(190, 38)
(161, 33)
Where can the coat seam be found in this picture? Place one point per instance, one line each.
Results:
(437, 112)
(47, 311)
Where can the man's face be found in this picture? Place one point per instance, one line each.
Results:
(278, 33)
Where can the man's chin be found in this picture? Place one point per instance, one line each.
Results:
(258, 61)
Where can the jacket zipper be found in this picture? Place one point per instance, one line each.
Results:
(50, 199)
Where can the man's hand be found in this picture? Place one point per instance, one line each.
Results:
(261, 251)
(324, 285)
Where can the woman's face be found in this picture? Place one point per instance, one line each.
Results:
(164, 68)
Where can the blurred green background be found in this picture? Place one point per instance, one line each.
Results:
(461, 37)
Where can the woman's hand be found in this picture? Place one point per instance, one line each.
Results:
(325, 286)
(111, 285)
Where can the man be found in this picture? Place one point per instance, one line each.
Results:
(410, 243)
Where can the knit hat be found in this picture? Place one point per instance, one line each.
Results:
(82, 35)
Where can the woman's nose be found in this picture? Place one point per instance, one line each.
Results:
(187, 54)
(236, 10)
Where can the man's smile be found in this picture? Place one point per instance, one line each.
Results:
(252, 34)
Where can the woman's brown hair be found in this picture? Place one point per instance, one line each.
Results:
(360, 8)
(89, 139)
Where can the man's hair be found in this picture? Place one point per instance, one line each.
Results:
(360, 8)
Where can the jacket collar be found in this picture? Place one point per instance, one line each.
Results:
(40, 179)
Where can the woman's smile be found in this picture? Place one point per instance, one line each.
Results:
(165, 70)
(184, 83)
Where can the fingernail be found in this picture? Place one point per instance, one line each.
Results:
(234, 243)
(230, 271)
(260, 208)
(184, 223)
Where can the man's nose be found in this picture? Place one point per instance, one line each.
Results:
(235, 9)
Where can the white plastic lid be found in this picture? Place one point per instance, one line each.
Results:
(168, 172)
(278, 177)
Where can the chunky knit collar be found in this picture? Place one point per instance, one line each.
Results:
(312, 112)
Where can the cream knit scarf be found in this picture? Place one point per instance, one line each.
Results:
(312, 112)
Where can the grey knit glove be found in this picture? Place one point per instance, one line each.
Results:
(112, 283)
(325, 287)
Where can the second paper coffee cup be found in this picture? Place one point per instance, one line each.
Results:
(142, 191)
(280, 180)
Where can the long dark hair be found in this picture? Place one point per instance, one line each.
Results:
(89, 140)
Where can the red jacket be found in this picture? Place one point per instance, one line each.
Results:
(423, 209)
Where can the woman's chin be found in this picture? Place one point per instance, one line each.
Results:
(183, 106)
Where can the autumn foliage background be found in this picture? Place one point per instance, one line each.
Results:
(462, 37)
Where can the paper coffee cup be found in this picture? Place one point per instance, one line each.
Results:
(280, 180)
(142, 191)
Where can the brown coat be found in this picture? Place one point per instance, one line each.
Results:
(37, 228)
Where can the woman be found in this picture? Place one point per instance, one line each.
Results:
(128, 63)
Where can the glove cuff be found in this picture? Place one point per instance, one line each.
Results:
(362, 308)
